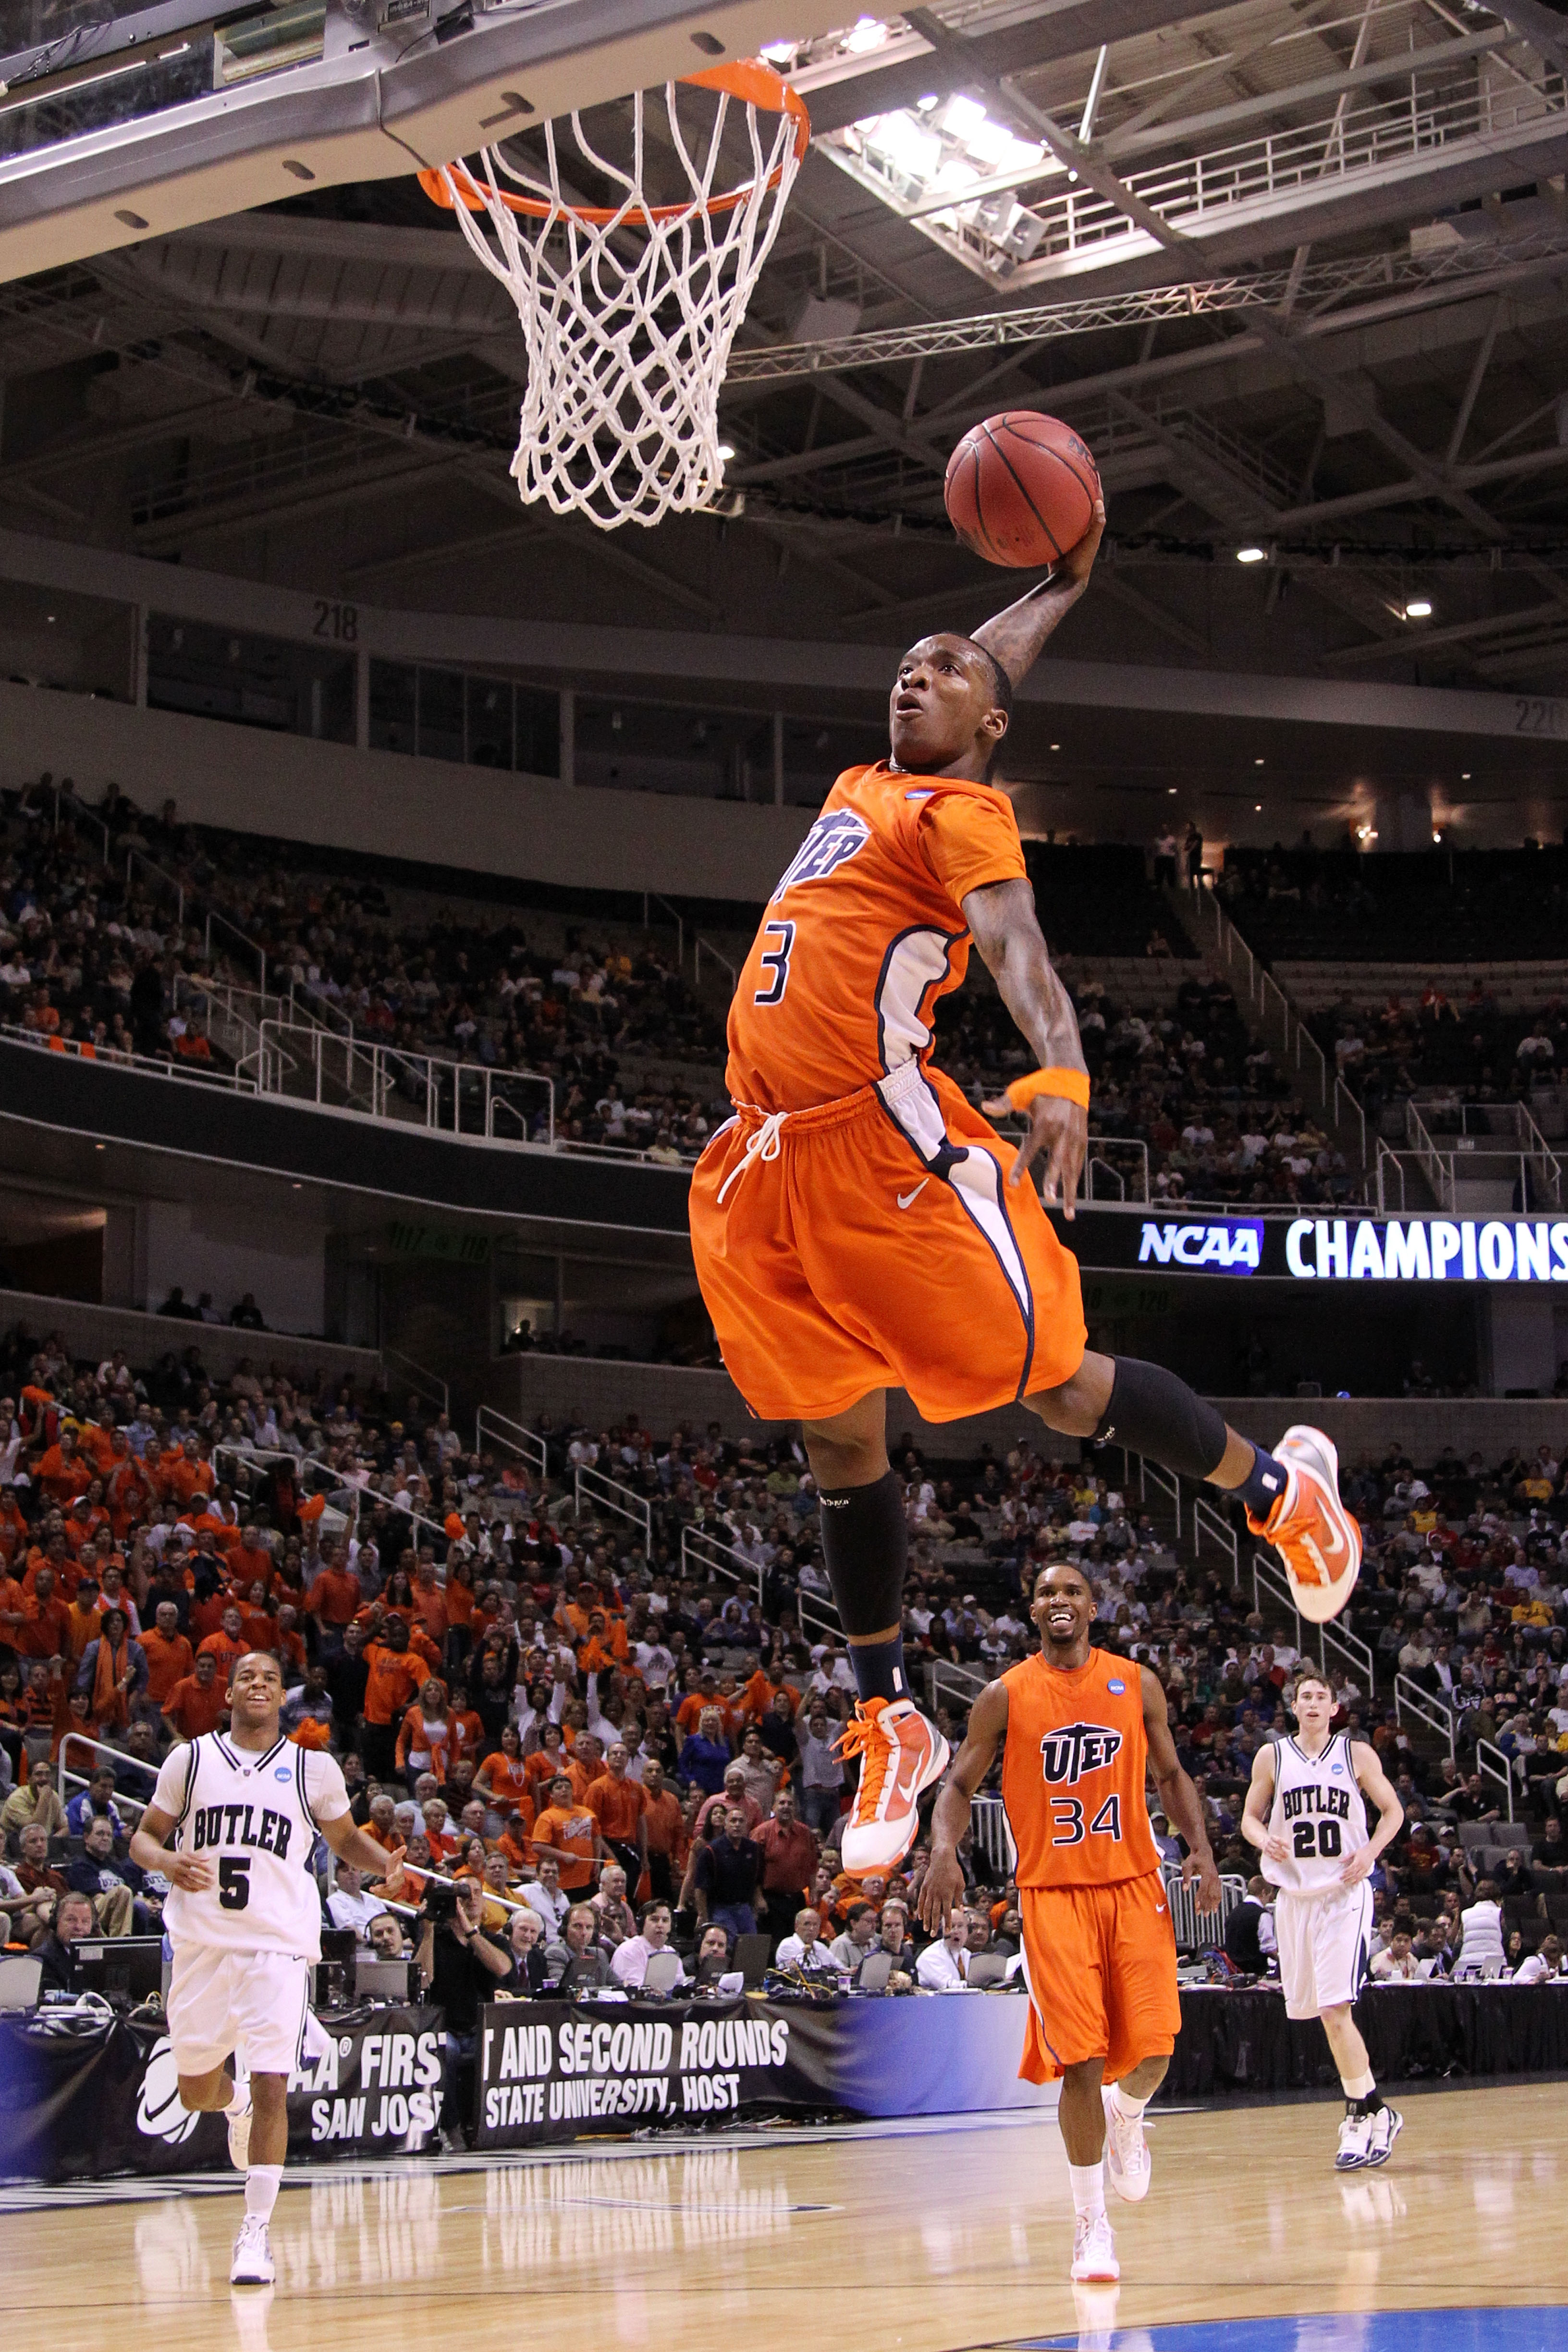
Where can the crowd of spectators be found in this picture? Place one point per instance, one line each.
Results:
(1186, 1100)
(1343, 904)
(93, 955)
(1466, 1048)
(573, 1717)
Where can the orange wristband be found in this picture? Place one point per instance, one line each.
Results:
(1073, 1085)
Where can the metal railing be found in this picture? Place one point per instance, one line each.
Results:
(1195, 1931)
(494, 1428)
(423, 1383)
(1266, 176)
(120, 1759)
(1409, 1698)
(387, 1082)
(1168, 1485)
(1495, 1143)
(1209, 1524)
(1268, 1001)
(1349, 1648)
(609, 1494)
(1389, 1166)
(181, 1071)
(700, 1550)
(1493, 1765)
(700, 947)
(992, 1833)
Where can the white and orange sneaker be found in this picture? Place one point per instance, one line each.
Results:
(900, 1755)
(1093, 2250)
(1127, 2159)
(1318, 1540)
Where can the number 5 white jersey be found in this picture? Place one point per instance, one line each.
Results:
(1319, 1812)
(255, 1818)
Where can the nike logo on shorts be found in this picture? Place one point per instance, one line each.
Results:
(905, 1198)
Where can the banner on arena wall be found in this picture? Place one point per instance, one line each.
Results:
(544, 2073)
(1369, 1250)
(79, 2107)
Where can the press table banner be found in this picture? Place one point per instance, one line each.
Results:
(548, 2073)
(76, 2106)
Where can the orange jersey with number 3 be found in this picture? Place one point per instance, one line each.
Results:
(864, 932)
(1073, 1773)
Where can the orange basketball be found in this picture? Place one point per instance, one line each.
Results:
(1021, 489)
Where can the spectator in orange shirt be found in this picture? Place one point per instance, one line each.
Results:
(169, 1656)
(12, 1528)
(425, 1739)
(51, 1553)
(516, 1840)
(567, 1830)
(689, 1713)
(430, 1604)
(257, 1623)
(82, 1619)
(548, 1758)
(226, 1646)
(191, 1471)
(13, 1613)
(62, 1472)
(198, 1702)
(503, 1779)
(617, 1804)
(332, 1600)
(44, 1619)
(128, 1491)
(392, 1680)
(86, 1519)
(664, 1831)
(95, 1440)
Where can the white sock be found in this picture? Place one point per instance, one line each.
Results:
(1358, 2086)
(261, 2185)
(1087, 2190)
(240, 2102)
(1129, 2108)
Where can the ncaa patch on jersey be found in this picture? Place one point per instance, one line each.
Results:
(283, 1772)
(1116, 1684)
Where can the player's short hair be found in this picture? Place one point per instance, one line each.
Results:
(1048, 1567)
(1309, 1675)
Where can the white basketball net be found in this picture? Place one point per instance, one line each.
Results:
(628, 317)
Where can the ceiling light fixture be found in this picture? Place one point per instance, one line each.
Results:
(1252, 555)
(1419, 609)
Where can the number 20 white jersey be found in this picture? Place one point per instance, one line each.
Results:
(1319, 1812)
(255, 1818)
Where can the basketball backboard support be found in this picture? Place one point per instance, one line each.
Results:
(230, 112)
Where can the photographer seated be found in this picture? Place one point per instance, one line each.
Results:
(576, 1964)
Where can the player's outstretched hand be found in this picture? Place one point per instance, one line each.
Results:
(941, 1892)
(1079, 562)
(1203, 1871)
(1058, 1128)
(392, 1879)
(1355, 1868)
(190, 1871)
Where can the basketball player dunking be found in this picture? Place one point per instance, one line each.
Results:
(1306, 1810)
(858, 1225)
(1082, 1727)
(244, 1916)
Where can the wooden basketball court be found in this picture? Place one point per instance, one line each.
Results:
(924, 2238)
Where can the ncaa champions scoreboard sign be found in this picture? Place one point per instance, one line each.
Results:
(1349, 1248)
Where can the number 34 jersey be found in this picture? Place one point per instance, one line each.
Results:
(1319, 1811)
(254, 1817)
(1073, 1773)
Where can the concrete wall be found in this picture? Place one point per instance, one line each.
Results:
(292, 787)
(580, 1387)
(98, 1331)
(202, 1245)
(524, 1386)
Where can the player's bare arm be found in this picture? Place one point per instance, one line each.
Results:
(1259, 1806)
(149, 1851)
(1016, 635)
(1007, 933)
(943, 1888)
(1178, 1795)
(1378, 1789)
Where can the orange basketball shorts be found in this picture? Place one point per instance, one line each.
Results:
(1102, 1967)
(875, 1242)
